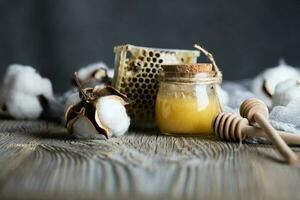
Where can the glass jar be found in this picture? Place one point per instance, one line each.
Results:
(187, 101)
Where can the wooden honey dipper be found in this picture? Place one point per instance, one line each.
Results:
(257, 113)
(232, 127)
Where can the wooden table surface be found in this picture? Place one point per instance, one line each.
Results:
(40, 160)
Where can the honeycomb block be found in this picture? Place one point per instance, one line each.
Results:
(136, 75)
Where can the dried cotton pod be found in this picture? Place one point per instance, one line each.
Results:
(81, 126)
(93, 119)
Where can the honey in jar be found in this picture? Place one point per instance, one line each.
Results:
(187, 100)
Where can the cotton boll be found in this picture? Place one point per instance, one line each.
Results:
(95, 74)
(100, 110)
(21, 89)
(264, 84)
(112, 115)
(85, 72)
(23, 106)
(25, 79)
(33, 84)
(15, 69)
(281, 73)
(10, 76)
(286, 91)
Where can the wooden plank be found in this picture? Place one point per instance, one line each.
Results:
(40, 160)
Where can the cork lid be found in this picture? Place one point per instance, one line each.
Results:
(188, 68)
(187, 71)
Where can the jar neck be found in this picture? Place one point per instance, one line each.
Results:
(190, 78)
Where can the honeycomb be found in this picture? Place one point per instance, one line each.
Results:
(136, 73)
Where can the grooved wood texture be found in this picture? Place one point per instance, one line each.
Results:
(39, 160)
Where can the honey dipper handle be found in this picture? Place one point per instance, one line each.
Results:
(289, 138)
(275, 138)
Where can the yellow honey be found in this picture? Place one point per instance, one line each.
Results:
(183, 115)
(187, 101)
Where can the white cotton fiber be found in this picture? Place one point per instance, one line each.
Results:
(33, 84)
(23, 106)
(20, 90)
(85, 72)
(286, 91)
(112, 114)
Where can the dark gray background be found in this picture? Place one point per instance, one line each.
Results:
(59, 36)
